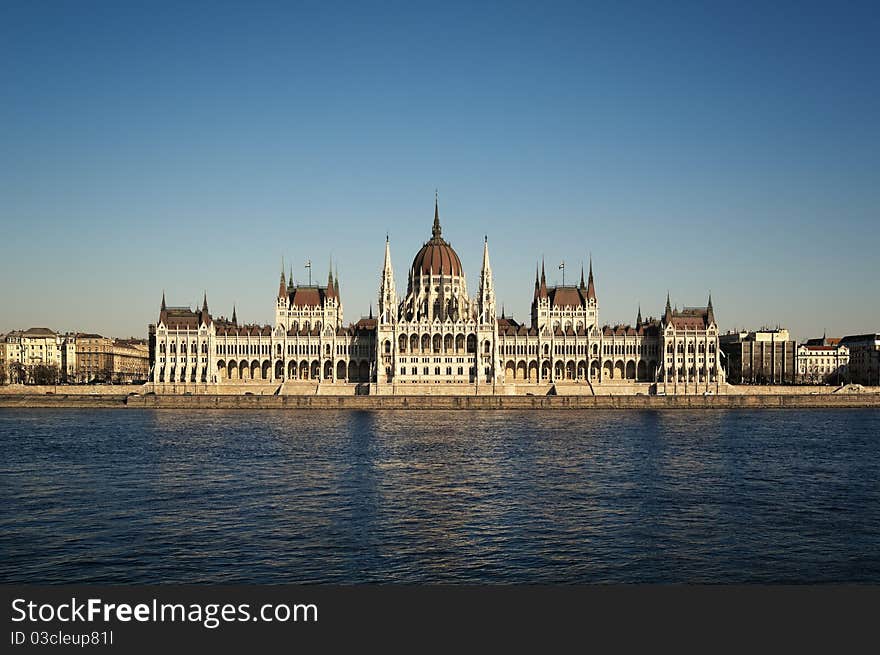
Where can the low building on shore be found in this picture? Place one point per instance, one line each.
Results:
(864, 358)
(823, 361)
(32, 355)
(760, 357)
(102, 359)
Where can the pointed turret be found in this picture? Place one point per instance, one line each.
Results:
(387, 292)
(290, 286)
(163, 315)
(542, 290)
(282, 286)
(639, 316)
(667, 315)
(582, 286)
(535, 297)
(336, 283)
(710, 312)
(486, 294)
(591, 288)
(234, 318)
(330, 288)
(206, 316)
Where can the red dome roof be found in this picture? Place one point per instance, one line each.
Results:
(436, 257)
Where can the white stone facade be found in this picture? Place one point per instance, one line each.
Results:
(438, 337)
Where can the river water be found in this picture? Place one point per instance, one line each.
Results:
(727, 496)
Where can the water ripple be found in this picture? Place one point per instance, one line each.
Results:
(104, 496)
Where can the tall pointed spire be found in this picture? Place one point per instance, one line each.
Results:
(234, 319)
(639, 316)
(591, 288)
(163, 300)
(542, 290)
(436, 230)
(710, 311)
(486, 293)
(330, 288)
(536, 281)
(282, 286)
(290, 279)
(387, 291)
(205, 302)
(667, 315)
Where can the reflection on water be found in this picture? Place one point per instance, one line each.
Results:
(136, 496)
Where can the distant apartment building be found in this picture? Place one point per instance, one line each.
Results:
(131, 360)
(68, 358)
(864, 358)
(102, 359)
(35, 352)
(93, 357)
(760, 357)
(823, 361)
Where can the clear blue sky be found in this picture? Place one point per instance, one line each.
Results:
(689, 147)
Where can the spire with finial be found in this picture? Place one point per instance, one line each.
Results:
(330, 288)
(435, 231)
(591, 288)
(163, 300)
(542, 290)
(582, 277)
(536, 281)
(639, 316)
(290, 280)
(234, 318)
(205, 302)
(667, 315)
(282, 286)
(336, 282)
(710, 311)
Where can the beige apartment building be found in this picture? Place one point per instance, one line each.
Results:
(25, 350)
(103, 359)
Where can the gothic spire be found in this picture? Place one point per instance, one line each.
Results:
(639, 316)
(591, 288)
(282, 286)
(582, 277)
(542, 291)
(436, 230)
(667, 315)
(330, 293)
(234, 319)
(163, 300)
(205, 302)
(710, 311)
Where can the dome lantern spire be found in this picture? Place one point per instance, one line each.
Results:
(436, 230)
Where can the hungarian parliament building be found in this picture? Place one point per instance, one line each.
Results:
(438, 339)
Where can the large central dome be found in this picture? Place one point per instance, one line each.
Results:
(436, 257)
